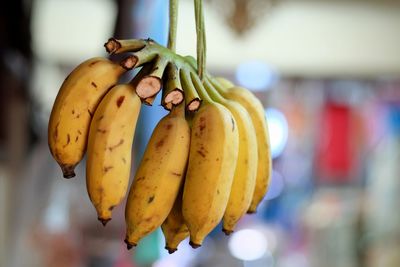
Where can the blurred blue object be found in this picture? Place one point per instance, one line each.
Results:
(394, 118)
(256, 75)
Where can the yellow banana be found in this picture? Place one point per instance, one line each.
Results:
(253, 105)
(73, 108)
(212, 160)
(174, 227)
(159, 176)
(225, 83)
(245, 172)
(109, 148)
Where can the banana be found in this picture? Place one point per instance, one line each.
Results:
(212, 159)
(174, 227)
(109, 148)
(73, 108)
(254, 107)
(245, 172)
(225, 83)
(159, 176)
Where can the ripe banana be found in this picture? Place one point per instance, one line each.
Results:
(245, 172)
(254, 107)
(174, 227)
(109, 148)
(73, 108)
(212, 160)
(159, 176)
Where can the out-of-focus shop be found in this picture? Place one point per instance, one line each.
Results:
(328, 75)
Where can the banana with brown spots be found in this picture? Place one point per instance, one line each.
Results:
(109, 148)
(73, 108)
(159, 176)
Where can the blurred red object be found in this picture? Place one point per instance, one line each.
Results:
(337, 144)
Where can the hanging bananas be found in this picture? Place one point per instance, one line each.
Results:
(207, 161)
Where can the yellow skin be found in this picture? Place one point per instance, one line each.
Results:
(159, 176)
(73, 108)
(109, 149)
(245, 172)
(256, 111)
(174, 227)
(212, 161)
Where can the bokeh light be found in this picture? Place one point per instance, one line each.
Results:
(248, 244)
(278, 131)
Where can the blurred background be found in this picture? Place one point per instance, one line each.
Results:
(328, 74)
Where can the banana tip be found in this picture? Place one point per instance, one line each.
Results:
(104, 221)
(227, 232)
(68, 171)
(251, 211)
(194, 245)
(171, 250)
(129, 245)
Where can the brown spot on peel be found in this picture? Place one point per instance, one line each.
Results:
(233, 124)
(94, 62)
(106, 169)
(120, 100)
(56, 131)
(150, 199)
(159, 143)
(111, 148)
(201, 153)
(176, 174)
(68, 140)
(202, 124)
(103, 131)
(94, 84)
(140, 178)
(111, 208)
(76, 139)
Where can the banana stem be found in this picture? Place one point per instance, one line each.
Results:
(192, 99)
(179, 110)
(114, 46)
(172, 92)
(140, 57)
(145, 70)
(173, 21)
(151, 84)
(222, 90)
(200, 88)
(149, 101)
(201, 38)
(213, 93)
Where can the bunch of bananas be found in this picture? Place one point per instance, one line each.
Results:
(207, 160)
